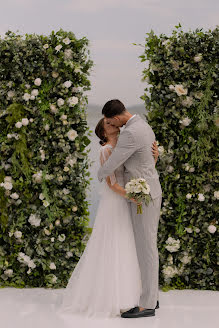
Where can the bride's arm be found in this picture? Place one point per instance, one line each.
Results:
(118, 189)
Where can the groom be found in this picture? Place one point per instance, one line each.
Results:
(133, 149)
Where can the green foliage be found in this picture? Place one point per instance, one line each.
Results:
(43, 157)
(181, 97)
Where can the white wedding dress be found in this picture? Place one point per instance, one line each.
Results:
(106, 280)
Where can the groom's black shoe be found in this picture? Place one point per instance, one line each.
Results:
(135, 313)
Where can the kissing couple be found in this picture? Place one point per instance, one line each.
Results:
(118, 272)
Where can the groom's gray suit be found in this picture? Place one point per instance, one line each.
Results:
(133, 150)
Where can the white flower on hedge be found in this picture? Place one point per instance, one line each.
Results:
(60, 102)
(18, 125)
(34, 220)
(46, 46)
(180, 90)
(66, 41)
(52, 239)
(35, 92)
(46, 203)
(14, 195)
(37, 82)
(8, 272)
(187, 102)
(58, 47)
(11, 94)
(170, 169)
(67, 84)
(172, 244)
(37, 177)
(17, 234)
(171, 87)
(46, 127)
(57, 222)
(212, 228)
(65, 191)
(198, 94)
(198, 58)
(72, 134)
(63, 117)
(216, 194)
(170, 259)
(26, 96)
(74, 208)
(10, 233)
(197, 230)
(72, 101)
(185, 121)
(69, 254)
(7, 185)
(52, 266)
(53, 109)
(77, 70)
(192, 169)
(41, 196)
(31, 264)
(47, 232)
(53, 279)
(72, 161)
(169, 271)
(25, 121)
(68, 54)
(61, 237)
(201, 197)
(189, 196)
(55, 74)
(185, 259)
(161, 150)
(66, 168)
(189, 230)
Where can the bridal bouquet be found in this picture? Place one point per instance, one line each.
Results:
(138, 189)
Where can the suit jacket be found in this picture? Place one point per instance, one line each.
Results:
(133, 150)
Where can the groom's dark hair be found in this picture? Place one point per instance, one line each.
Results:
(113, 107)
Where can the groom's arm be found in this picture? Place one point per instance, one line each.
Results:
(124, 148)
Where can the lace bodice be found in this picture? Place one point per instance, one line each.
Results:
(119, 172)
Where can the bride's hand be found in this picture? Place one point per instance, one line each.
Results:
(135, 201)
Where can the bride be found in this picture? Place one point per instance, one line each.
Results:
(106, 280)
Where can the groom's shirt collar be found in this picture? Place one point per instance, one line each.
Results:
(130, 119)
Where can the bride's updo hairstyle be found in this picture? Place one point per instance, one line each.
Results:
(99, 130)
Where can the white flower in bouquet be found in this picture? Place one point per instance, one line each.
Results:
(58, 47)
(201, 197)
(185, 121)
(216, 194)
(14, 195)
(52, 266)
(72, 134)
(198, 58)
(72, 101)
(25, 121)
(67, 84)
(34, 220)
(37, 82)
(61, 237)
(26, 96)
(17, 234)
(66, 41)
(180, 90)
(60, 102)
(69, 254)
(138, 189)
(212, 228)
(35, 92)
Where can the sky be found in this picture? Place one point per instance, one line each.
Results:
(111, 27)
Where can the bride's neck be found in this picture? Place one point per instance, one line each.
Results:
(112, 140)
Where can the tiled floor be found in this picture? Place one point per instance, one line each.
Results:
(32, 308)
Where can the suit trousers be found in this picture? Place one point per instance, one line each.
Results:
(145, 227)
